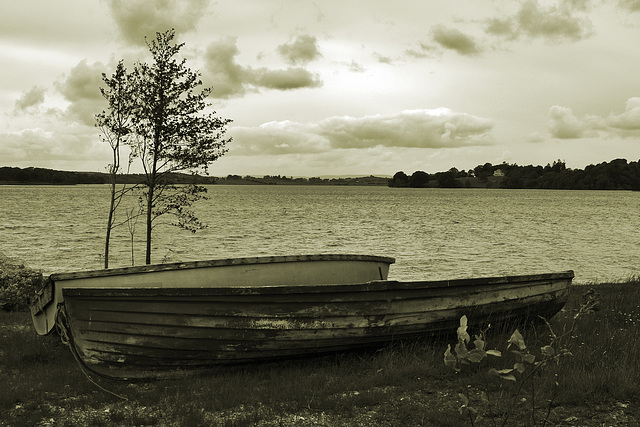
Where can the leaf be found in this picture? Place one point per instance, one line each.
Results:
(449, 359)
(476, 355)
(479, 343)
(505, 374)
(517, 340)
(461, 350)
(529, 358)
(496, 353)
(494, 371)
(519, 367)
(548, 351)
(462, 330)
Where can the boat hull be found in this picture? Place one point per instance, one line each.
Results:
(302, 270)
(163, 332)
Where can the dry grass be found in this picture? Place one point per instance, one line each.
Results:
(403, 384)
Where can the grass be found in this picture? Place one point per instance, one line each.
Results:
(402, 384)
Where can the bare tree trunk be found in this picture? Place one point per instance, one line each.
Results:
(109, 224)
(113, 172)
(150, 196)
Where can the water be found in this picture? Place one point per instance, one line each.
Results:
(432, 233)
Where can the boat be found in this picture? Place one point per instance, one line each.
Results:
(168, 320)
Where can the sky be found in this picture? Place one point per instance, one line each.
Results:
(348, 87)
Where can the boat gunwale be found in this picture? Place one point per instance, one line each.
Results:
(225, 262)
(371, 286)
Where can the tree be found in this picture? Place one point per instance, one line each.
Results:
(400, 179)
(419, 179)
(115, 126)
(172, 134)
(447, 180)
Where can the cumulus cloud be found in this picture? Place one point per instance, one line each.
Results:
(139, 18)
(30, 98)
(554, 22)
(229, 78)
(451, 38)
(564, 124)
(81, 87)
(302, 50)
(70, 143)
(439, 128)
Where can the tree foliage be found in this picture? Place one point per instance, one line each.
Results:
(169, 133)
(116, 128)
(618, 174)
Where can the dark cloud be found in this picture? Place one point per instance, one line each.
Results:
(302, 50)
(440, 128)
(139, 18)
(221, 70)
(451, 38)
(30, 98)
(229, 78)
(554, 22)
(81, 87)
(290, 78)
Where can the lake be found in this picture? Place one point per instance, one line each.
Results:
(432, 233)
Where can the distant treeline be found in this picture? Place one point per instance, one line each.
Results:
(614, 175)
(12, 175)
(283, 180)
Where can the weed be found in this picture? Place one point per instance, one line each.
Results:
(400, 384)
(526, 365)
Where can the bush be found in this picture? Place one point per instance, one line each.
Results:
(18, 284)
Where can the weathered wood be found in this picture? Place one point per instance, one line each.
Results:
(160, 332)
(218, 263)
(299, 270)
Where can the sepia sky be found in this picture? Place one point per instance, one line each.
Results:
(339, 87)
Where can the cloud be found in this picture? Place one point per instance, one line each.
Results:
(629, 120)
(451, 38)
(301, 51)
(229, 78)
(554, 22)
(564, 124)
(68, 143)
(423, 50)
(290, 78)
(439, 128)
(630, 5)
(139, 18)
(81, 87)
(382, 59)
(30, 98)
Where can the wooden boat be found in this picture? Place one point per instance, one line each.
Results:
(234, 272)
(158, 324)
